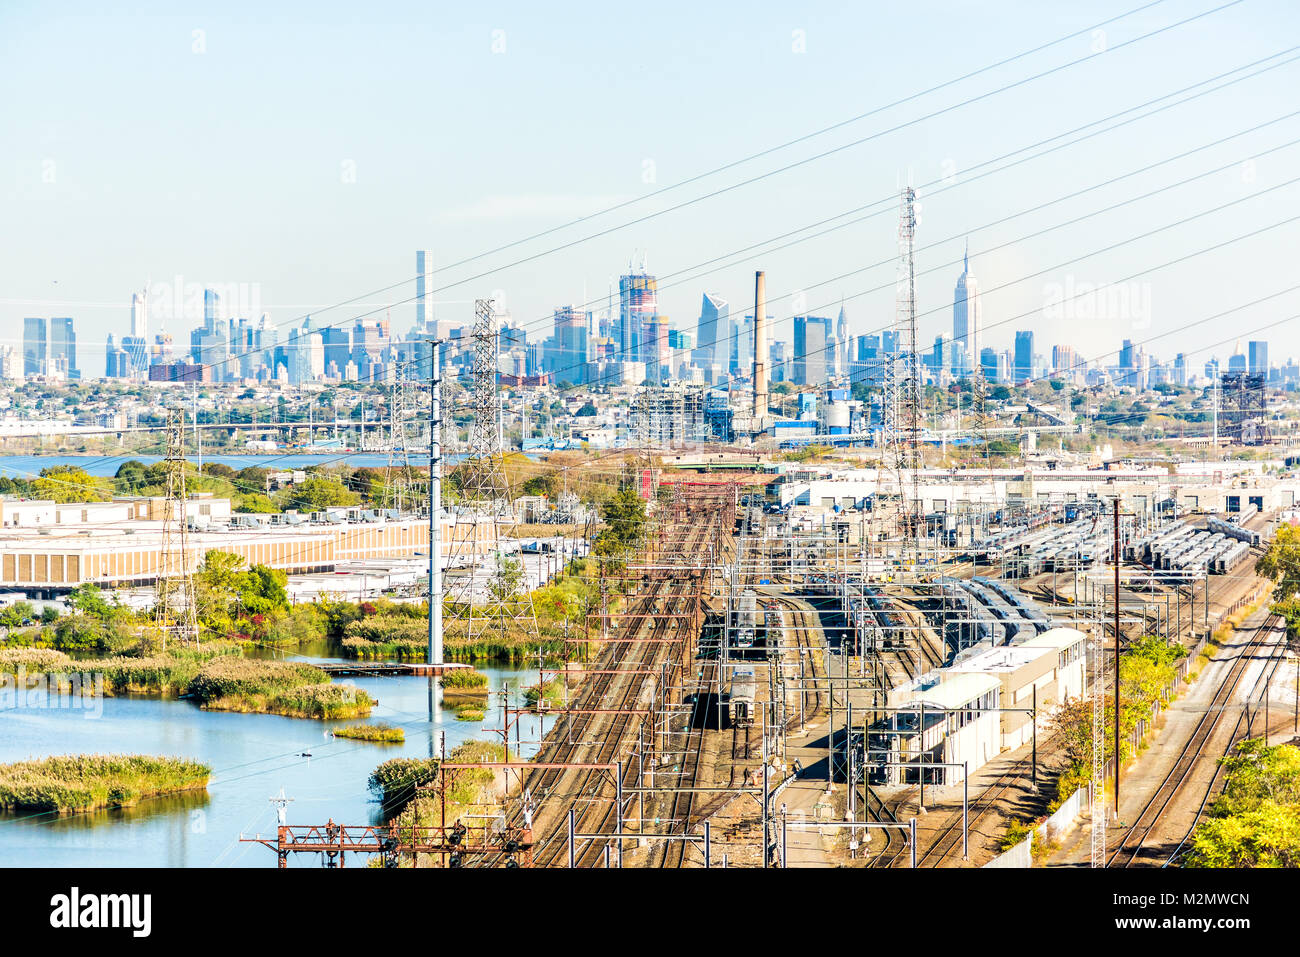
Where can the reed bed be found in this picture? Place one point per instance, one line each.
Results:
(67, 784)
(378, 733)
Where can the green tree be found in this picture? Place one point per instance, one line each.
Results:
(254, 504)
(89, 600)
(508, 579)
(217, 587)
(1281, 563)
(130, 477)
(67, 483)
(263, 590)
(1268, 836)
(625, 517)
(318, 493)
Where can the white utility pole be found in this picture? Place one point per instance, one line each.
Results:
(435, 503)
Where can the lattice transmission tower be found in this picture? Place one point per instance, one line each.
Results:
(174, 609)
(901, 412)
(1098, 836)
(491, 592)
(404, 432)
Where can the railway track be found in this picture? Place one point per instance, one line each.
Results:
(650, 639)
(948, 842)
(1134, 849)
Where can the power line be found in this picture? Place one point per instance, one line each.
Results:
(763, 176)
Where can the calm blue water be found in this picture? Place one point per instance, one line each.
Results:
(252, 756)
(29, 466)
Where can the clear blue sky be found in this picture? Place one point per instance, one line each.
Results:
(136, 148)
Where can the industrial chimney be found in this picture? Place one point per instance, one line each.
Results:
(760, 349)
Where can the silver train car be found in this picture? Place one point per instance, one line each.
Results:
(740, 701)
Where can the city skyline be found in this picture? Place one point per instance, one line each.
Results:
(471, 218)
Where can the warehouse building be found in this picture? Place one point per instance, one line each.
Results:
(47, 548)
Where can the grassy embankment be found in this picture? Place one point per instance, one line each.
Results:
(70, 783)
(214, 675)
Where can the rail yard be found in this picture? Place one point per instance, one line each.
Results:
(759, 687)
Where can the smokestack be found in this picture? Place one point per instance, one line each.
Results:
(760, 348)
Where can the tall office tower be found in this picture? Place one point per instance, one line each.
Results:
(1064, 360)
(811, 335)
(779, 361)
(654, 347)
(268, 337)
(1024, 367)
(139, 316)
(1180, 369)
(1237, 361)
(211, 310)
(337, 344)
(939, 354)
(423, 289)
(116, 363)
(842, 336)
(1258, 362)
(967, 323)
(369, 344)
(137, 351)
(889, 342)
(210, 344)
(1128, 364)
(304, 354)
(570, 362)
(35, 347)
(638, 297)
(63, 348)
(989, 364)
(714, 330)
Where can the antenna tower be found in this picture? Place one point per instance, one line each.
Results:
(902, 405)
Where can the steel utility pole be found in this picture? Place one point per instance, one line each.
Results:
(1116, 515)
(435, 502)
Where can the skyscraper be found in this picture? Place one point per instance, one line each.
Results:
(570, 359)
(638, 298)
(1258, 362)
(989, 364)
(139, 316)
(1024, 369)
(63, 348)
(117, 364)
(423, 289)
(35, 347)
(967, 323)
(50, 348)
(1064, 360)
(842, 339)
(210, 344)
(715, 330)
(811, 334)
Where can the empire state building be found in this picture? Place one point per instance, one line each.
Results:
(966, 320)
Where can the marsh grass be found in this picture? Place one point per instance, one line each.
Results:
(378, 733)
(71, 783)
